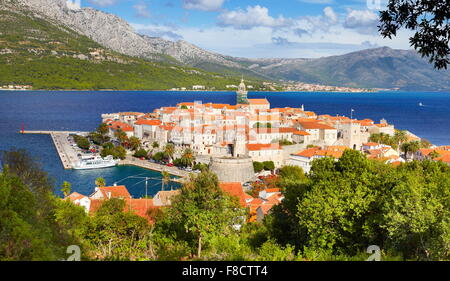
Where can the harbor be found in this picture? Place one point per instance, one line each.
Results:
(69, 158)
(66, 152)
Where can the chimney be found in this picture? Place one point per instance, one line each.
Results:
(109, 194)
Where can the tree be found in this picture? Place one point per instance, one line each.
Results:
(158, 156)
(100, 182)
(410, 148)
(121, 136)
(187, 158)
(202, 210)
(169, 150)
(82, 142)
(417, 210)
(165, 179)
(66, 187)
(155, 144)
(258, 166)
(430, 21)
(269, 165)
(103, 129)
(28, 227)
(400, 137)
(134, 143)
(140, 153)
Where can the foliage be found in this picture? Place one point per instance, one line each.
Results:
(344, 206)
(100, 182)
(134, 143)
(27, 210)
(115, 151)
(429, 20)
(269, 165)
(201, 210)
(200, 167)
(66, 188)
(258, 166)
(141, 153)
(82, 142)
(159, 156)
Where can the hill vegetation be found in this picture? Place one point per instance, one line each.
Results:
(334, 213)
(46, 55)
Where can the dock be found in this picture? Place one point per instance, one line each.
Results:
(66, 152)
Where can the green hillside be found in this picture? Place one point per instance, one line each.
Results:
(36, 52)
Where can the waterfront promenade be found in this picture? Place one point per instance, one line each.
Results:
(174, 171)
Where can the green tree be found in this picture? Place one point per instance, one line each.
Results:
(269, 165)
(169, 151)
(187, 158)
(429, 20)
(202, 210)
(66, 188)
(121, 136)
(258, 166)
(27, 211)
(416, 213)
(155, 144)
(165, 179)
(140, 153)
(134, 143)
(400, 137)
(100, 182)
(82, 142)
(103, 129)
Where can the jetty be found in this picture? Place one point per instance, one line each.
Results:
(67, 154)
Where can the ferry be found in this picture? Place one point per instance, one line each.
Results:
(95, 162)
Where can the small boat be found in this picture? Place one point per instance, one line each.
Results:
(95, 162)
(420, 104)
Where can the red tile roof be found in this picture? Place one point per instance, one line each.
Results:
(315, 125)
(119, 191)
(258, 101)
(260, 146)
(148, 122)
(234, 189)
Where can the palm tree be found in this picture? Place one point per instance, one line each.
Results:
(100, 182)
(165, 179)
(155, 144)
(135, 143)
(66, 188)
(169, 150)
(188, 157)
(400, 137)
(121, 136)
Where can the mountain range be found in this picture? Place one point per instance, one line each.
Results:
(372, 68)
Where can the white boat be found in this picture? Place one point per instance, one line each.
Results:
(420, 104)
(95, 162)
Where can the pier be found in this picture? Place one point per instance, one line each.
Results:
(66, 152)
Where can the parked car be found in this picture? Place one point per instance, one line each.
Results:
(170, 165)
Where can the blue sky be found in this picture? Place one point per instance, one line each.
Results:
(259, 28)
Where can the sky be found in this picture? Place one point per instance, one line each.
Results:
(260, 28)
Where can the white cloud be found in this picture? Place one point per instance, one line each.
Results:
(256, 16)
(330, 15)
(204, 5)
(153, 30)
(103, 3)
(364, 21)
(141, 10)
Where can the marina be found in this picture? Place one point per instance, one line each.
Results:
(70, 159)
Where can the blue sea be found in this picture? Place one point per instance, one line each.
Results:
(47, 110)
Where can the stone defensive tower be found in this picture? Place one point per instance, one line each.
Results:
(241, 94)
(233, 169)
